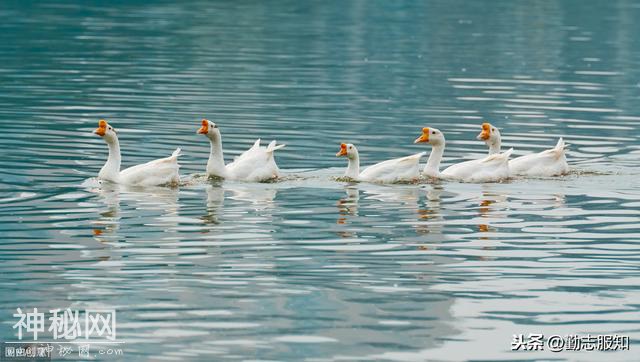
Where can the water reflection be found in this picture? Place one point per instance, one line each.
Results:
(396, 194)
(109, 221)
(260, 196)
(431, 212)
(491, 203)
(215, 203)
(145, 200)
(348, 205)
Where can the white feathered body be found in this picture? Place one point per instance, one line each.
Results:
(395, 170)
(162, 171)
(552, 162)
(255, 164)
(489, 169)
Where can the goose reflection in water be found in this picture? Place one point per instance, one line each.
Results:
(490, 201)
(141, 199)
(408, 200)
(348, 210)
(255, 199)
(259, 196)
(109, 221)
(492, 204)
(404, 199)
(348, 205)
(431, 212)
(215, 204)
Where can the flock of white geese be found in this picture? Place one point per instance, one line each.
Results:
(258, 162)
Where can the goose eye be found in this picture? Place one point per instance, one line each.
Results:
(433, 132)
(493, 129)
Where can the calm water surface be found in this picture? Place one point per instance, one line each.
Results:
(311, 268)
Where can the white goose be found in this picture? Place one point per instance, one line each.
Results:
(395, 170)
(489, 169)
(162, 171)
(551, 162)
(255, 164)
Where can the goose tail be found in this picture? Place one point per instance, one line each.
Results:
(273, 147)
(256, 146)
(507, 154)
(559, 149)
(560, 146)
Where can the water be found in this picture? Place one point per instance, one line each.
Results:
(311, 268)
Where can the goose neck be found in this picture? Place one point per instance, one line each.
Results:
(215, 165)
(494, 146)
(111, 168)
(432, 168)
(353, 167)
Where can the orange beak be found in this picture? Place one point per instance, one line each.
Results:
(486, 132)
(424, 137)
(205, 127)
(343, 150)
(102, 128)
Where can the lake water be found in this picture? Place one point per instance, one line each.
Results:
(311, 268)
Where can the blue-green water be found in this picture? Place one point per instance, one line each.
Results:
(311, 268)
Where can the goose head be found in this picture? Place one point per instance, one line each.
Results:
(489, 133)
(209, 129)
(106, 131)
(433, 136)
(348, 150)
